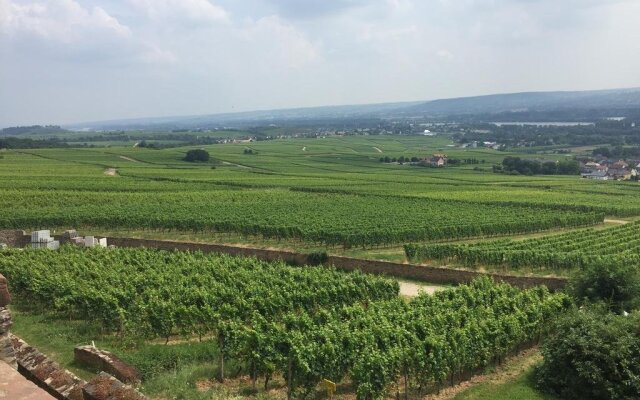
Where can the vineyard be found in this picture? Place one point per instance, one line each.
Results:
(576, 249)
(335, 193)
(305, 324)
(337, 219)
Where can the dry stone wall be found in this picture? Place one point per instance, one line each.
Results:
(46, 373)
(105, 361)
(7, 354)
(14, 238)
(106, 387)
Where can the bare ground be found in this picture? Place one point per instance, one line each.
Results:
(615, 221)
(411, 289)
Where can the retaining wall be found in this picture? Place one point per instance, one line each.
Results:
(409, 271)
(14, 238)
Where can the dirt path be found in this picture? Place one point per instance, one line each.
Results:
(129, 159)
(411, 289)
(511, 369)
(304, 148)
(235, 165)
(616, 221)
(111, 172)
(378, 150)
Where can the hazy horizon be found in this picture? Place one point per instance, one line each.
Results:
(74, 61)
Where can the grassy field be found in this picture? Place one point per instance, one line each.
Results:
(513, 381)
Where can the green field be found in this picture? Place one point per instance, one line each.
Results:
(322, 192)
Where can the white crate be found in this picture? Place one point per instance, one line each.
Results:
(90, 241)
(41, 236)
(52, 245)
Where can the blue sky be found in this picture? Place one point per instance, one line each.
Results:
(64, 61)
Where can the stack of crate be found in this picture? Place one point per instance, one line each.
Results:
(43, 240)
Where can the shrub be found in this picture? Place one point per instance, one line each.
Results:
(197, 155)
(618, 286)
(594, 355)
(317, 258)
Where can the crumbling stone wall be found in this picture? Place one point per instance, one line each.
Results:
(14, 238)
(46, 373)
(106, 387)
(7, 354)
(105, 361)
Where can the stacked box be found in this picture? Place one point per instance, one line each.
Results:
(42, 236)
(52, 245)
(69, 236)
(90, 241)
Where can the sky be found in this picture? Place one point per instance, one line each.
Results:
(67, 61)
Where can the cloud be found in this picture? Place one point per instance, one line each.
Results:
(279, 43)
(181, 11)
(313, 8)
(128, 58)
(58, 20)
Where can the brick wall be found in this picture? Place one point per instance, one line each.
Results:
(410, 271)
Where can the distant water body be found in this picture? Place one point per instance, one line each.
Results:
(545, 123)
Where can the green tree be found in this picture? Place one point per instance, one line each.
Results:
(617, 285)
(593, 355)
(197, 155)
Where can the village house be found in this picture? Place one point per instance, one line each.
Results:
(437, 160)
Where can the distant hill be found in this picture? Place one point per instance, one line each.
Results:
(32, 130)
(532, 102)
(526, 106)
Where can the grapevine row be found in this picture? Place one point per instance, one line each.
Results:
(306, 324)
(576, 249)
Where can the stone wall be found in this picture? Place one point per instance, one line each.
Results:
(106, 387)
(105, 361)
(7, 353)
(409, 271)
(46, 373)
(14, 238)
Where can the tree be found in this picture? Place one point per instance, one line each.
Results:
(618, 286)
(594, 355)
(197, 155)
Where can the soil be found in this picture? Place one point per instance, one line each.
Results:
(411, 289)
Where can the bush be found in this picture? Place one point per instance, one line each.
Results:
(317, 258)
(618, 286)
(593, 354)
(197, 155)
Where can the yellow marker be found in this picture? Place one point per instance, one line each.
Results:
(330, 386)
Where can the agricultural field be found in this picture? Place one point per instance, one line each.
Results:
(572, 250)
(187, 320)
(275, 323)
(356, 200)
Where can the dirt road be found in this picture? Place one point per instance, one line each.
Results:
(411, 289)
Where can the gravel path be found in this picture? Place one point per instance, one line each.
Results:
(411, 289)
